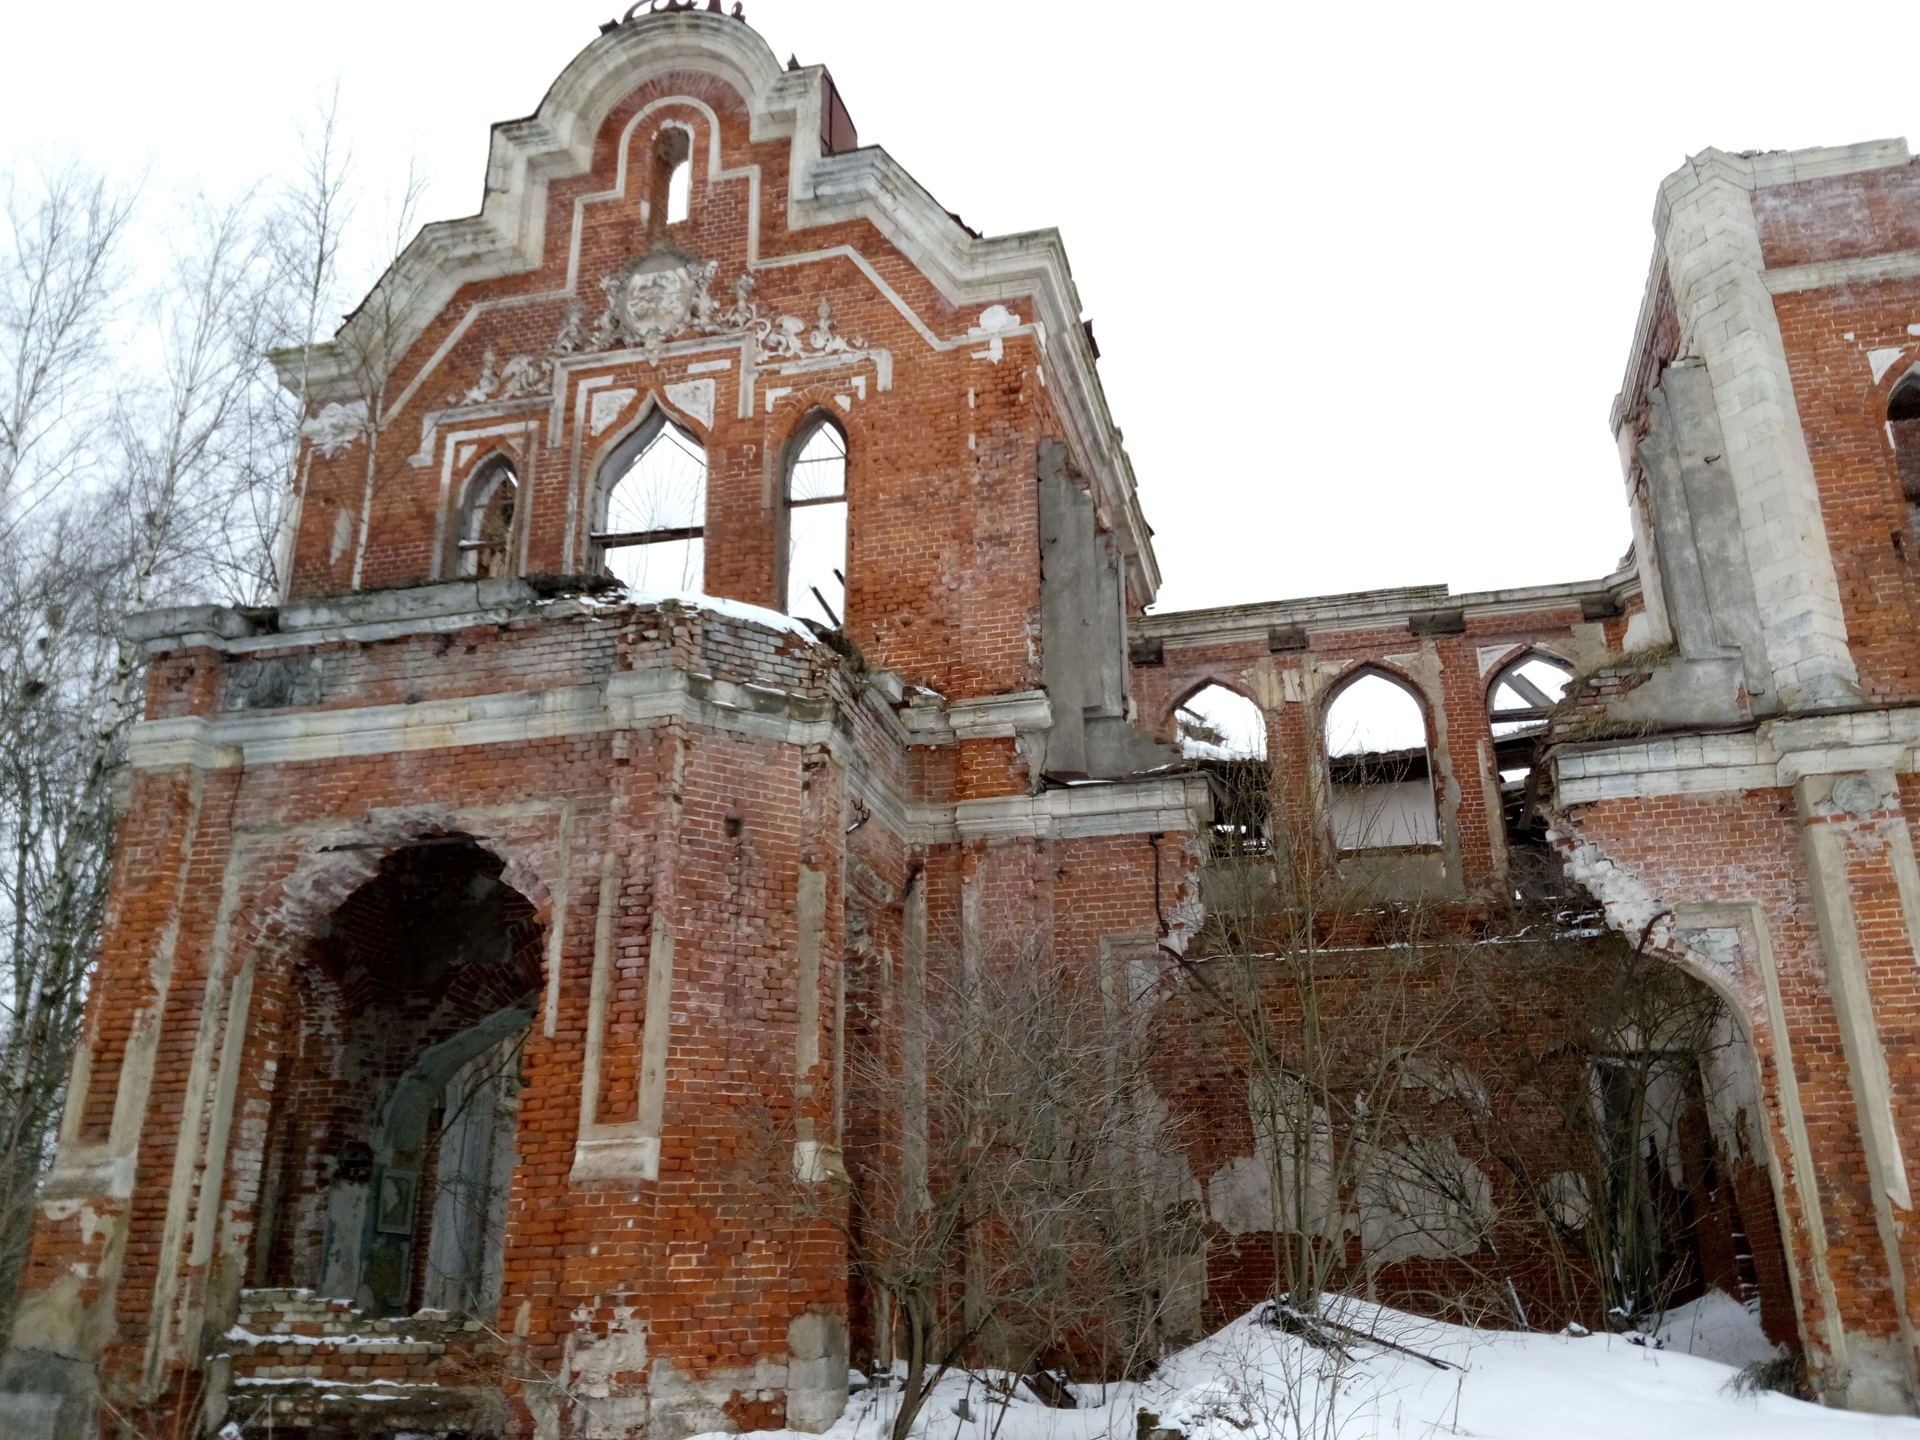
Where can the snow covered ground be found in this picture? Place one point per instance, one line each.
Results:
(1252, 1382)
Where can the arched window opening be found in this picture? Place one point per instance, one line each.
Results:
(1216, 723)
(1227, 735)
(1903, 430)
(817, 527)
(654, 536)
(673, 165)
(1524, 692)
(486, 522)
(1522, 695)
(1377, 762)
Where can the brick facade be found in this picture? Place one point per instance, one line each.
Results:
(466, 872)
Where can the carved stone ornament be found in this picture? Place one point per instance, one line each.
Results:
(667, 293)
(656, 296)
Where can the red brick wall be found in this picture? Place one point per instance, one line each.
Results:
(943, 579)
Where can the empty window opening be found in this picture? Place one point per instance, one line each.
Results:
(673, 160)
(486, 522)
(654, 534)
(817, 528)
(1518, 702)
(680, 192)
(1379, 768)
(1903, 431)
(1524, 692)
(1219, 724)
(1227, 734)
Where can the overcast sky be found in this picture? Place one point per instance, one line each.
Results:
(1363, 275)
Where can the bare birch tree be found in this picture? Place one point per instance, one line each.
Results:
(147, 458)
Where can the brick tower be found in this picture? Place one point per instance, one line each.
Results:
(479, 931)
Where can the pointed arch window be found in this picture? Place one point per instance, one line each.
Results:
(816, 559)
(1522, 695)
(1377, 762)
(485, 543)
(653, 530)
(1903, 430)
(1225, 734)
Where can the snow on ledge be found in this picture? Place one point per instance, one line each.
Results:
(732, 609)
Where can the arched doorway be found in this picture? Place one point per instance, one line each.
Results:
(391, 1142)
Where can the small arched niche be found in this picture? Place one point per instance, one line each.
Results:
(816, 524)
(1903, 433)
(1225, 734)
(673, 173)
(1378, 766)
(484, 547)
(654, 510)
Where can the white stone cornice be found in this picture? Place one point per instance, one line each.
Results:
(1123, 807)
(1372, 609)
(1773, 755)
(988, 717)
(633, 698)
(1897, 265)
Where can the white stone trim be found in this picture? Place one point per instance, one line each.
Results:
(508, 236)
(631, 698)
(1711, 242)
(1000, 717)
(1126, 807)
(1772, 756)
(1372, 610)
(1896, 265)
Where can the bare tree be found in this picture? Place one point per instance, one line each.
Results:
(1024, 1204)
(146, 459)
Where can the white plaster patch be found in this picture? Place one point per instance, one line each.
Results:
(997, 318)
(1290, 685)
(1718, 946)
(1631, 906)
(1913, 329)
(845, 402)
(336, 426)
(707, 367)
(1882, 360)
(693, 397)
(775, 393)
(1492, 655)
(342, 536)
(607, 407)
(464, 455)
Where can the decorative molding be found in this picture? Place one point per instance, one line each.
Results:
(1371, 610)
(1000, 717)
(1774, 755)
(509, 236)
(1864, 269)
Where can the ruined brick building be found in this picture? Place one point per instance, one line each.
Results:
(458, 798)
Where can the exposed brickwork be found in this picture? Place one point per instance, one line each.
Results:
(693, 844)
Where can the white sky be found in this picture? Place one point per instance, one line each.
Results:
(1364, 275)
